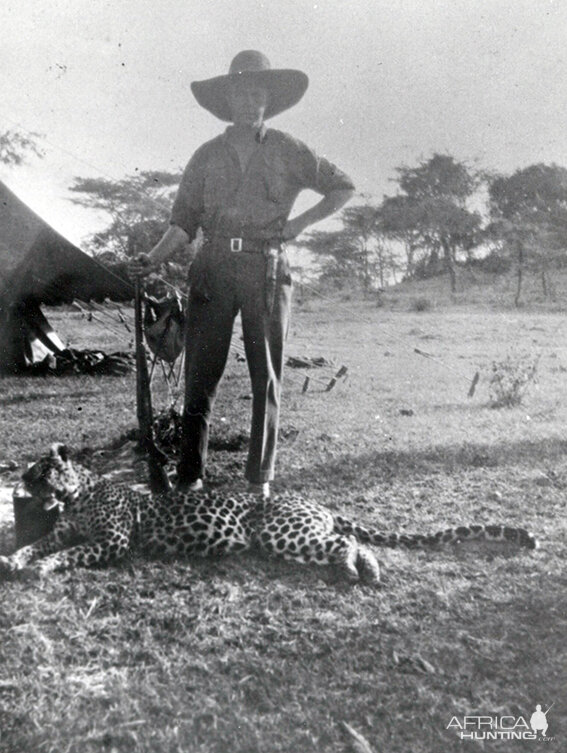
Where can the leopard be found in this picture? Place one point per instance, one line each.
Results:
(101, 521)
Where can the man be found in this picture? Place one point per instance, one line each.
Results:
(240, 188)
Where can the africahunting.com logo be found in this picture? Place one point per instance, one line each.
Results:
(505, 727)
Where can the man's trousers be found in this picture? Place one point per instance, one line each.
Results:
(223, 283)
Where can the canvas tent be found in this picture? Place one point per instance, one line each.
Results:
(38, 266)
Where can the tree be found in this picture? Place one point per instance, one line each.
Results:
(138, 205)
(432, 215)
(339, 257)
(529, 217)
(357, 253)
(15, 147)
(399, 217)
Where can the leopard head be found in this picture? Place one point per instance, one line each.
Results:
(53, 478)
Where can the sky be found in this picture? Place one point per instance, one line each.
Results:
(107, 83)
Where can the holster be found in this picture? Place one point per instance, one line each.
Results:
(200, 289)
(271, 255)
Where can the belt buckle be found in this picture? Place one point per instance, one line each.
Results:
(236, 245)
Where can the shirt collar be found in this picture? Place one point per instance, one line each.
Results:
(261, 135)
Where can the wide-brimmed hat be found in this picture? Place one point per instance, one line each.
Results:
(285, 86)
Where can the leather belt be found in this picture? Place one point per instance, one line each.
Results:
(239, 245)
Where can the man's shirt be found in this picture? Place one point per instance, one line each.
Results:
(217, 195)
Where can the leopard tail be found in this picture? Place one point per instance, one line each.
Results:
(494, 533)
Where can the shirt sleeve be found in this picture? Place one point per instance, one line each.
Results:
(317, 173)
(188, 206)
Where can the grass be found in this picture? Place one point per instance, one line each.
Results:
(246, 654)
(478, 288)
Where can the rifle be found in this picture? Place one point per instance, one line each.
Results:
(156, 459)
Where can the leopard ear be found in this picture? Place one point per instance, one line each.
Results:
(59, 451)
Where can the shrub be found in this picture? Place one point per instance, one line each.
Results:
(495, 263)
(421, 304)
(510, 379)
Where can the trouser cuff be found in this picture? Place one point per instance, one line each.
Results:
(260, 478)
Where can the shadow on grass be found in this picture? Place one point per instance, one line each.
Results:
(518, 645)
(540, 651)
(7, 538)
(24, 398)
(384, 466)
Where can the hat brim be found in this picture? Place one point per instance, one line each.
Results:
(285, 88)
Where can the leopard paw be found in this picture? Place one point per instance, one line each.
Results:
(46, 566)
(9, 569)
(368, 566)
(7, 566)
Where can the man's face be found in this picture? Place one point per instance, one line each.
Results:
(247, 102)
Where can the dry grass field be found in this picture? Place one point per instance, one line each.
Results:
(248, 655)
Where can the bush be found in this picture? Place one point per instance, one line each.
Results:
(421, 304)
(495, 263)
(510, 380)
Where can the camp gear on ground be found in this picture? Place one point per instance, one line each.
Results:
(164, 327)
(38, 266)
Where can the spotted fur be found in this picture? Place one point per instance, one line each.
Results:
(101, 521)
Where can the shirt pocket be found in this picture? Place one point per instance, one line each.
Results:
(276, 180)
(216, 185)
